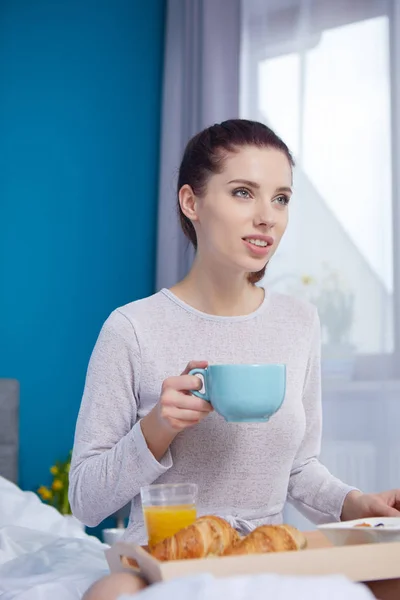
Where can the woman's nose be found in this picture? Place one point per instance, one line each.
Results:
(265, 216)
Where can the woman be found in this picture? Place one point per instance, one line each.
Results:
(138, 421)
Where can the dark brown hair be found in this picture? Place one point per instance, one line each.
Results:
(204, 156)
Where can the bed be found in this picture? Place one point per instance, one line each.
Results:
(9, 410)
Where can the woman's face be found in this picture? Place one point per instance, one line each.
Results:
(243, 214)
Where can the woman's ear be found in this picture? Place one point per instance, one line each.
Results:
(188, 202)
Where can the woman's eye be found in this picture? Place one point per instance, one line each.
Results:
(241, 193)
(283, 200)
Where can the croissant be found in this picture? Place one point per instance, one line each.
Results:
(207, 536)
(269, 538)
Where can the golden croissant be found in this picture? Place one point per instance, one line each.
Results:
(269, 538)
(207, 536)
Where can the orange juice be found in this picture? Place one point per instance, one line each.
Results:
(165, 521)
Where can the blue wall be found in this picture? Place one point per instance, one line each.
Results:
(80, 87)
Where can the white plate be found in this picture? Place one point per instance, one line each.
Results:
(345, 533)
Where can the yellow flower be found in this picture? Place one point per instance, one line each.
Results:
(57, 485)
(54, 470)
(44, 492)
(306, 280)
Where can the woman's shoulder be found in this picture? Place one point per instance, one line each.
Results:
(292, 308)
(138, 311)
(146, 313)
(145, 305)
(124, 323)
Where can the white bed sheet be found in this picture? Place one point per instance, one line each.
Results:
(43, 556)
(255, 587)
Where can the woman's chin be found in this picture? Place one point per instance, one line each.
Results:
(246, 265)
(253, 267)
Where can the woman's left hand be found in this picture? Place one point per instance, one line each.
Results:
(361, 506)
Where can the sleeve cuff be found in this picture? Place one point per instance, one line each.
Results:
(152, 467)
(332, 509)
(339, 492)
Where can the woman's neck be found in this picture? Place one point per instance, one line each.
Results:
(217, 293)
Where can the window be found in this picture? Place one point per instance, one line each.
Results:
(321, 78)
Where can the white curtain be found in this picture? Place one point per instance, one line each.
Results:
(201, 87)
(324, 75)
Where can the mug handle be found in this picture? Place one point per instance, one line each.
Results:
(201, 395)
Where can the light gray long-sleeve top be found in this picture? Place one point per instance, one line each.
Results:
(245, 470)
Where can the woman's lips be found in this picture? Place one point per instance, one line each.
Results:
(256, 249)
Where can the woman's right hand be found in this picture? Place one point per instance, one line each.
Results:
(178, 408)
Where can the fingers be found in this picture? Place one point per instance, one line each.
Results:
(183, 383)
(393, 498)
(185, 402)
(181, 418)
(180, 425)
(381, 509)
(195, 364)
(177, 406)
(387, 511)
(172, 412)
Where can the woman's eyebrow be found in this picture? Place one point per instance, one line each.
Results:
(255, 185)
(246, 182)
(284, 189)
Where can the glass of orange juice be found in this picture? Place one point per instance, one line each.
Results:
(167, 508)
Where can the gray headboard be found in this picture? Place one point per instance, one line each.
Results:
(9, 438)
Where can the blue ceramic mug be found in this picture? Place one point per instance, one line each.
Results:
(243, 393)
